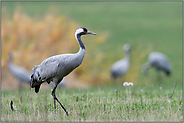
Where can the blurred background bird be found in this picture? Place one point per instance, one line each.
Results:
(120, 67)
(20, 73)
(160, 62)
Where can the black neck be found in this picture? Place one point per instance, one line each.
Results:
(80, 41)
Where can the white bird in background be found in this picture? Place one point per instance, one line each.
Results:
(120, 68)
(18, 72)
(160, 62)
(54, 68)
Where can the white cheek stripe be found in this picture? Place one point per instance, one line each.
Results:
(78, 31)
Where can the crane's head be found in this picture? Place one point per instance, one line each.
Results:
(10, 55)
(83, 31)
(145, 68)
(126, 47)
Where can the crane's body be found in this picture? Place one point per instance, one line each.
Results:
(18, 72)
(159, 61)
(54, 68)
(120, 67)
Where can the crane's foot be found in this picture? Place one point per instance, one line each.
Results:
(55, 98)
(55, 106)
(62, 106)
(21, 98)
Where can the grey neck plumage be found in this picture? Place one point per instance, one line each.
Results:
(78, 37)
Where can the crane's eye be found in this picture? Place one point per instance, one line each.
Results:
(85, 30)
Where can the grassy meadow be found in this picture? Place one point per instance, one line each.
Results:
(107, 104)
(37, 30)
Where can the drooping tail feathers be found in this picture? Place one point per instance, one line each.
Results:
(113, 75)
(34, 79)
(168, 73)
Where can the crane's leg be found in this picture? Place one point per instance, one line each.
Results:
(20, 91)
(114, 81)
(159, 78)
(55, 99)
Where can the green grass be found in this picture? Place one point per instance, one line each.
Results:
(117, 103)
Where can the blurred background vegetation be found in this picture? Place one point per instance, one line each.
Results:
(35, 31)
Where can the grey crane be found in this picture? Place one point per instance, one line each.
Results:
(160, 62)
(54, 68)
(120, 67)
(18, 72)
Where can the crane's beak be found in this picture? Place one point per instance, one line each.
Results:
(89, 32)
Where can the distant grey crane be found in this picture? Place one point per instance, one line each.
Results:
(54, 68)
(119, 68)
(160, 62)
(18, 72)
